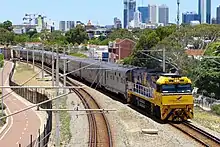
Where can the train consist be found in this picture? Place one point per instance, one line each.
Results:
(167, 96)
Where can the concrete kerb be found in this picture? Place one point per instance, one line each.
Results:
(7, 119)
(6, 124)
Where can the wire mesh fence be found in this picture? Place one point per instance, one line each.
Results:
(35, 96)
(205, 102)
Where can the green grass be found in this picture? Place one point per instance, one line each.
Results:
(23, 67)
(207, 119)
(1, 60)
(78, 55)
(216, 109)
(65, 134)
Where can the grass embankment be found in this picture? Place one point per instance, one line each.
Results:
(77, 54)
(65, 123)
(207, 119)
(24, 72)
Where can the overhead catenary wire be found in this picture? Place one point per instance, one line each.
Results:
(35, 105)
(80, 68)
(22, 84)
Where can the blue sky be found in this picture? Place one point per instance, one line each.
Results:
(101, 11)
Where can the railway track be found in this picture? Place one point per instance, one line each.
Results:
(99, 128)
(198, 134)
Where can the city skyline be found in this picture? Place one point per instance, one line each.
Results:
(91, 10)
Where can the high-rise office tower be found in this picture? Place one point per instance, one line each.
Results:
(152, 13)
(189, 16)
(144, 14)
(201, 11)
(208, 11)
(129, 9)
(163, 14)
(69, 25)
(62, 26)
(218, 15)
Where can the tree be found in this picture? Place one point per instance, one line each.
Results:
(7, 25)
(121, 34)
(213, 49)
(77, 35)
(145, 42)
(21, 38)
(166, 31)
(31, 33)
(6, 36)
(208, 76)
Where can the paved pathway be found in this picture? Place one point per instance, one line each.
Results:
(21, 125)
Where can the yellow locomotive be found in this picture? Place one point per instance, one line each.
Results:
(166, 96)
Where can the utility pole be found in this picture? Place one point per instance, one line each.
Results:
(2, 90)
(53, 66)
(42, 62)
(19, 56)
(57, 101)
(64, 69)
(178, 14)
(33, 57)
(164, 60)
(27, 57)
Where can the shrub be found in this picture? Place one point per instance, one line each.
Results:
(2, 121)
(1, 60)
(1, 107)
(216, 109)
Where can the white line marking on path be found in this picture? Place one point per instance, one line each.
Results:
(9, 117)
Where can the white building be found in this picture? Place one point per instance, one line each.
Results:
(152, 13)
(137, 19)
(193, 23)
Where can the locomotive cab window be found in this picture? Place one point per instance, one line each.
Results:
(176, 88)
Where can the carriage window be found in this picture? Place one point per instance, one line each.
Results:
(119, 74)
(115, 73)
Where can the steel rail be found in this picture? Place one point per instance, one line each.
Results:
(198, 134)
(93, 137)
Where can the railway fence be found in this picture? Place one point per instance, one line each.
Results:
(205, 102)
(35, 96)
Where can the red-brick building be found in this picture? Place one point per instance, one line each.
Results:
(196, 53)
(121, 48)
